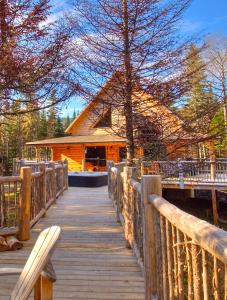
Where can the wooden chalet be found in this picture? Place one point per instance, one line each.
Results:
(91, 138)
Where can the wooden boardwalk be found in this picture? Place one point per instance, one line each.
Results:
(91, 261)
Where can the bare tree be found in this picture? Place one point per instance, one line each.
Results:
(216, 56)
(137, 41)
(33, 57)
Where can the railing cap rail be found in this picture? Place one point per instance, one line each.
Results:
(209, 237)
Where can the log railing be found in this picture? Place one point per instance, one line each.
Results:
(182, 257)
(24, 199)
(190, 171)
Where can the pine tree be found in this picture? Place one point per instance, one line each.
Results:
(42, 131)
(52, 116)
(200, 101)
(74, 114)
(67, 122)
(59, 128)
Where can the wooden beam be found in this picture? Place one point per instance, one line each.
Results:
(25, 203)
(150, 184)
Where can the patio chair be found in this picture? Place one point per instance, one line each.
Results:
(38, 272)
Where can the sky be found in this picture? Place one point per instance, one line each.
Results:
(203, 17)
(207, 16)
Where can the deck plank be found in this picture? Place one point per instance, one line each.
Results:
(91, 261)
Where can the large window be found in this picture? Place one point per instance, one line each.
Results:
(96, 155)
(105, 120)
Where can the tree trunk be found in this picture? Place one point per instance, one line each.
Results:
(128, 86)
(224, 96)
(3, 25)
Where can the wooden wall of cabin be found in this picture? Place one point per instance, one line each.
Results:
(75, 154)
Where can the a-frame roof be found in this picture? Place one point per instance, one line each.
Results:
(176, 121)
(92, 102)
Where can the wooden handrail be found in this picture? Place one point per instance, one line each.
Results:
(34, 193)
(206, 235)
(181, 255)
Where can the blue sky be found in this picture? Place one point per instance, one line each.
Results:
(203, 17)
(207, 16)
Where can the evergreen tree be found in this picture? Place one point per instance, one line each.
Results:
(42, 131)
(31, 122)
(52, 117)
(59, 128)
(67, 122)
(200, 105)
(74, 114)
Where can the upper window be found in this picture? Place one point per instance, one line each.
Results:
(105, 120)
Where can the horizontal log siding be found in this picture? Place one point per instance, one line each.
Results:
(75, 153)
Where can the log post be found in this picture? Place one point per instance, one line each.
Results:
(66, 170)
(212, 160)
(214, 206)
(109, 165)
(120, 169)
(129, 172)
(213, 177)
(42, 168)
(150, 184)
(62, 177)
(181, 174)
(53, 181)
(25, 204)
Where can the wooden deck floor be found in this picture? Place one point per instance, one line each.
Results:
(91, 261)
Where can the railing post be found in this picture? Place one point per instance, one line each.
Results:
(120, 168)
(65, 171)
(212, 155)
(181, 174)
(129, 172)
(109, 165)
(62, 177)
(42, 168)
(150, 184)
(25, 204)
(53, 181)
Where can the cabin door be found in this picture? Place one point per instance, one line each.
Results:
(95, 157)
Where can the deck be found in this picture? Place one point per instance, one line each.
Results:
(91, 261)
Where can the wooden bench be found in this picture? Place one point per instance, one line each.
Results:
(38, 272)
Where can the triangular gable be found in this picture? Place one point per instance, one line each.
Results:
(91, 104)
(105, 120)
(83, 126)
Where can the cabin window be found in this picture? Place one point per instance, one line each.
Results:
(96, 156)
(105, 121)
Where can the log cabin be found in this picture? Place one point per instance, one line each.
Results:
(98, 133)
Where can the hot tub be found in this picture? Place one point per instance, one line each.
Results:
(88, 179)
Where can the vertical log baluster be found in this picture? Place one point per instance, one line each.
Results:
(189, 266)
(169, 247)
(205, 275)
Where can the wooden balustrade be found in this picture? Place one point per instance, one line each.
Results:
(214, 171)
(25, 199)
(182, 257)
